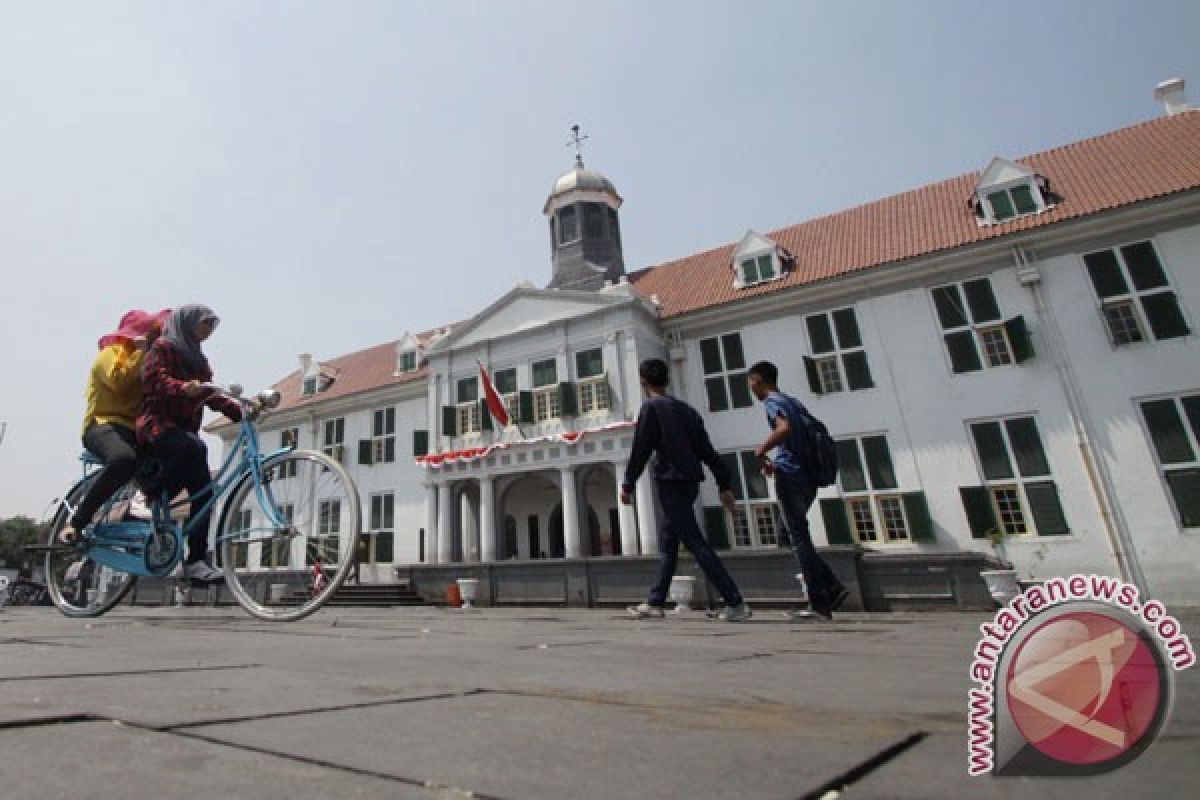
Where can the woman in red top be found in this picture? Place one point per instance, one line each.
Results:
(175, 391)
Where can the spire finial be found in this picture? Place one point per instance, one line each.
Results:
(577, 141)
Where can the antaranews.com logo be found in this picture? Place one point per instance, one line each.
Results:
(1075, 677)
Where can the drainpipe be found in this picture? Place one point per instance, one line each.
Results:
(1120, 541)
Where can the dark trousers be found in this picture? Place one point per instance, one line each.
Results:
(796, 497)
(678, 500)
(116, 446)
(184, 460)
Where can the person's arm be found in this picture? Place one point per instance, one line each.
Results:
(716, 465)
(645, 439)
(781, 430)
(162, 365)
(225, 405)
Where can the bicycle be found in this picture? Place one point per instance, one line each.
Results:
(284, 505)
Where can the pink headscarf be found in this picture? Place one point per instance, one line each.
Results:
(135, 324)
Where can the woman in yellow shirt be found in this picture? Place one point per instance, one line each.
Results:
(114, 394)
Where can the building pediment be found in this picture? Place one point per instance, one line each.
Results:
(1002, 171)
(527, 309)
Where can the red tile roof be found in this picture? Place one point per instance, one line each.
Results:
(362, 371)
(1142, 162)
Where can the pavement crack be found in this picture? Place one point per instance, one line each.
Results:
(299, 712)
(125, 673)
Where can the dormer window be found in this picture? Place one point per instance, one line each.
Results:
(756, 260)
(1007, 191)
(408, 355)
(310, 385)
(408, 361)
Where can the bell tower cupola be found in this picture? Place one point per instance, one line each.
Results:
(585, 230)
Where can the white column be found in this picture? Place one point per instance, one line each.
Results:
(487, 520)
(468, 528)
(627, 515)
(445, 526)
(570, 511)
(431, 523)
(646, 514)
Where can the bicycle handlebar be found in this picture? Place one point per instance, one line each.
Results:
(265, 400)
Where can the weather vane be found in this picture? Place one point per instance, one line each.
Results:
(577, 141)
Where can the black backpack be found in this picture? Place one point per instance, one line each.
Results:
(820, 452)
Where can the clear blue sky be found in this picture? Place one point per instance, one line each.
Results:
(328, 175)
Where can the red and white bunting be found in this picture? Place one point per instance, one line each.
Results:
(468, 454)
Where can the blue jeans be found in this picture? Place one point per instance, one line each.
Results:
(678, 500)
(796, 497)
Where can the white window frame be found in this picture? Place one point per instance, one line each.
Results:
(832, 374)
(978, 330)
(334, 445)
(1001, 490)
(383, 429)
(328, 530)
(243, 520)
(867, 509)
(468, 419)
(726, 374)
(750, 268)
(547, 405)
(1133, 298)
(381, 521)
(755, 522)
(408, 361)
(267, 547)
(288, 437)
(1193, 439)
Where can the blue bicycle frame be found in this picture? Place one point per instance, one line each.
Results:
(154, 547)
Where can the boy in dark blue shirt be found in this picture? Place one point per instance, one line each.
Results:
(672, 430)
(795, 486)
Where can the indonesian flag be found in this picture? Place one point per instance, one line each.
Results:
(495, 403)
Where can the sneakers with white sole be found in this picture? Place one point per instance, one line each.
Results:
(201, 571)
(736, 613)
(646, 611)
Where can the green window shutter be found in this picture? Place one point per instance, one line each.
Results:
(420, 443)
(485, 415)
(1002, 207)
(920, 523)
(364, 451)
(389, 449)
(1023, 199)
(963, 355)
(981, 300)
(1105, 273)
(819, 333)
(1018, 336)
(1185, 490)
(449, 421)
(1164, 316)
(858, 374)
(715, 528)
(977, 502)
(718, 398)
(568, 400)
(837, 524)
(1047, 511)
(814, 378)
(525, 408)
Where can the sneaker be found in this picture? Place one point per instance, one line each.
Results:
(839, 597)
(645, 611)
(734, 613)
(201, 571)
(801, 615)
(139, 508)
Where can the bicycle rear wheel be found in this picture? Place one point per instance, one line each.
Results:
(271, 568)
(77, 585)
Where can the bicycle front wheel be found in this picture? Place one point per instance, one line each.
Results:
(77, 585)
(287, 545)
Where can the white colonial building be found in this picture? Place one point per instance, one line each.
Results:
(1012, 350)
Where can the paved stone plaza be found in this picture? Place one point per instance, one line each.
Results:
(532, 703)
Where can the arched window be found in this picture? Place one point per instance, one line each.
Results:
(593, 221)
(568, 225)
